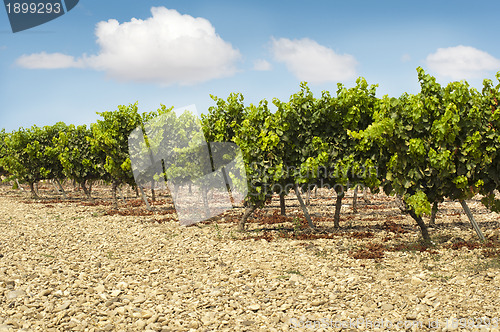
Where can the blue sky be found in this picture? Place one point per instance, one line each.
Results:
(115, 52)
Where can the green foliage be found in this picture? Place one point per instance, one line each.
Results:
(110, 136)
(419, 203)
(221, 122)
(438, 142)
(30, 155)
(256, 131)
(306, 141)
(3, 152)
(79, 161)
(317, 137)
(443, 142)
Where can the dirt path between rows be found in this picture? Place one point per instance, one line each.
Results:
(80, 267)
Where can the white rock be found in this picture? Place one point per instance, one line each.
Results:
(140, 324)
(318, 302)
(294, 278)
(100, 288)
(140, 299)
(254, 307)
(146, 314)
(416, 281)
(122, 285)
(63, 306)
(120, 310)
(6, 328)
(387, 307)
(15, 294)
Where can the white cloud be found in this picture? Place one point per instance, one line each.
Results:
(312, 62)
(462, 62)
(49, 61)
(261, 65)
(166, 48)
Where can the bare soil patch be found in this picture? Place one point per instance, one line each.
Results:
(81, 266)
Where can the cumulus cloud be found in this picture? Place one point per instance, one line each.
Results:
(462, 62)
(261, 65)
(312, 62)
(49, 61)
(166, 48)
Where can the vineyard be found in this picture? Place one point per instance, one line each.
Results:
(355, 207)
(443, 142)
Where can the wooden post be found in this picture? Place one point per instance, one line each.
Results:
(19, 185)
(62, 189)
(472, 221)
(144, 198)
(303, 206)
(355, 200)
(121, 194)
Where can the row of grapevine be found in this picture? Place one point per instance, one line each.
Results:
(76, 153)
(443, 142)
(30, 156)
(305, 143)
(3, 135)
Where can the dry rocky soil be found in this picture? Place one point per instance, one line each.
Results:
(72, 265)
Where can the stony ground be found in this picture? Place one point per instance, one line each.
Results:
(78, 267)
